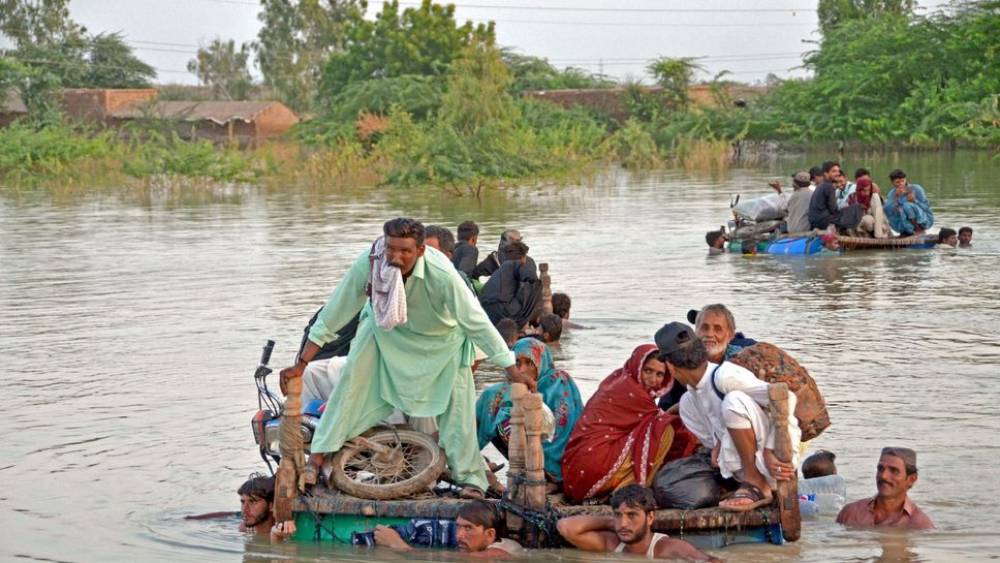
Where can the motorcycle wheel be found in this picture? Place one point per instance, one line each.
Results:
(410, 462)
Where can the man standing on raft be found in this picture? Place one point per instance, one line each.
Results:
(413, 350)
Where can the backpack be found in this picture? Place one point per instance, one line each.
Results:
(773, 365)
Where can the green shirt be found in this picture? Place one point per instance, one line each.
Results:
(418, 360)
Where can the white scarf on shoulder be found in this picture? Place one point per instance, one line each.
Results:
(385, 286)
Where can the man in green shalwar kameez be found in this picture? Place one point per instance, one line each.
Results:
(422, 366)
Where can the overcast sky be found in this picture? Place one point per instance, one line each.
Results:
(748, 38)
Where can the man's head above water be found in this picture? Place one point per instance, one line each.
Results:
(478, 526)
(404, 242)
(634, 508)
(256, 497)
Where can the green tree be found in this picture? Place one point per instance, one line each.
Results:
(38, 22)
(420, 41)
(675, 76)
(477, 92)
(296, 38)
(110, 63)
(535, 73)
(224, 69)
(833, 13)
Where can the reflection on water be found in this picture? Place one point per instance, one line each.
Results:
(131, 322)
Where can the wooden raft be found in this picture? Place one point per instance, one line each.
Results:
(526, 486)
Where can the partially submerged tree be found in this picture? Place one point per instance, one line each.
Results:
(223, 69)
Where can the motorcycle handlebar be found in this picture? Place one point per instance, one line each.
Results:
(266, 354)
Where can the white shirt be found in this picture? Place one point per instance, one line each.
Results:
(508, 545)
(729, 377)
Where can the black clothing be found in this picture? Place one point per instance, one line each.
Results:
(465, 257)
(339, 346)
(823, 210)
(490, 265)
(513, 291)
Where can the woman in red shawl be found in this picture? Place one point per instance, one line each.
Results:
(622, 436)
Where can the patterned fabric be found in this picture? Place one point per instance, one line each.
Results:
(559, 393)
(621, 425)
(903, 213)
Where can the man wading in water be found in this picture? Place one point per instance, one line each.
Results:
(413, 350)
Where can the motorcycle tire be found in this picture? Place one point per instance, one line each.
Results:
(414, 468)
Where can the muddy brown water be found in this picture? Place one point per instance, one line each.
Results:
(130, 322)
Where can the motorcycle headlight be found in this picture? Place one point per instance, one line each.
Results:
(272, 433)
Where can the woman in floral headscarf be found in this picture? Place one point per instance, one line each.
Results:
(559, 393)
(623, 437)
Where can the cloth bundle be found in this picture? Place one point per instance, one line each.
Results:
(385, 287)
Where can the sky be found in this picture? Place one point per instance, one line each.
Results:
(751, 39)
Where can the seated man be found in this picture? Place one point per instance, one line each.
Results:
(797, 220)
(948, 237)
(478, 528)
(725, 407)
(873, 222)
(965, 237)
(495, 259)
(823, 208)
(907, 207)
(629, 531)
(514, 290)
(891, 507)
(715, 325)
(466, 254)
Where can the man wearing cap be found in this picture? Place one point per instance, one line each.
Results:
(895, 475)
(725, 407)
(797, 219)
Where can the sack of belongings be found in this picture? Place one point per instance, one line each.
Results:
(773, 365)
(689, 482)
(759, 209)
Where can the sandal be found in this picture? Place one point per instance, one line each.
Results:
(748, 492)
(471, 492)
(311, 474)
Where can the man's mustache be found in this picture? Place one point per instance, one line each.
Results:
(882, 482)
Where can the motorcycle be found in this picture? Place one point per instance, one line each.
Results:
(383, 463)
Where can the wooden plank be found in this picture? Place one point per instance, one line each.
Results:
(788, 491)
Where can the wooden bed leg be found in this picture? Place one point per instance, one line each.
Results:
(287, 485)
(534, 463)
(788, 491)
(543, 270)
(515, 455)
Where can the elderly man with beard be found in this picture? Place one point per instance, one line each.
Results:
(891, 507)
(414, 349)
(715, 325)
(629, 531)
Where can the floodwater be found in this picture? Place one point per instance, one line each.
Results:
(131, 320)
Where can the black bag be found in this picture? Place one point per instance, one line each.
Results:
(689, 482)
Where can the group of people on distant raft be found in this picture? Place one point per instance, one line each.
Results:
(420, 328)
(823, 199)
